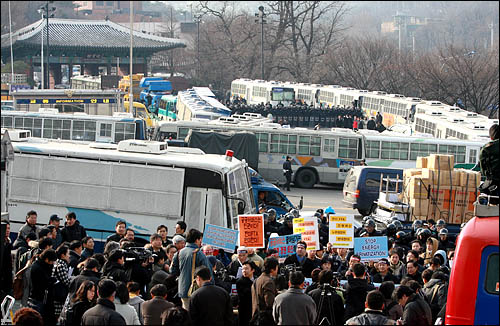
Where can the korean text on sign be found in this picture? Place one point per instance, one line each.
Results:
(371, 248)
(284, 244)
(251, 231)
(341, 231)
(220, 237)
(308, 227)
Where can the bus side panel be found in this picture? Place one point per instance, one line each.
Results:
(487, 302)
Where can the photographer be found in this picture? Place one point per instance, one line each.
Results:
(114, 267)
(138, 265)
(300, 259)
(332, 302)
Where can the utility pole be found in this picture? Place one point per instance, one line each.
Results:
(11, 52)
(131, 84)
(261, 15)
(197, 19)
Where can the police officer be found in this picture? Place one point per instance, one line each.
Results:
(287, 171)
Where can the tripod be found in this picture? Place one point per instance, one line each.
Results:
(326, 292)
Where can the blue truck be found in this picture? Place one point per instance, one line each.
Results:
(272, 195)
(156, 87)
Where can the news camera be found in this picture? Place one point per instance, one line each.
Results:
(223, 275)
(138, 255)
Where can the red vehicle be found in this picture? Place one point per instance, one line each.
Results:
(473, 288)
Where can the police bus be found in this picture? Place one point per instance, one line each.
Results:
(49, 123)
(144, 183)
(322, 156)
(197, 103)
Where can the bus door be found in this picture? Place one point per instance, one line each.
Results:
(104, 132)
(203, 206)
(487, 289)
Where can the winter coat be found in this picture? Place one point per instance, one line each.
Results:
(27, 229)
(294, 307)
(136, 302)
(378, 278)
(307, 264)
(74, 232)
(79, 308)
(417, 312)
(74, 259)
(244, 289)
(41, 279)
(336, 306)
(355, 296)
(102, 314)
(211, 304)
(435, 293)
(60, 272)
(263, 293)
(370, 317)
(128, 312)
(115, 271)
(84, 275)
(152, 310)
(395, 310)
(182, 265)
(428, 255)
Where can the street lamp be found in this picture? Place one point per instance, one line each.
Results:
(261, 15)
(197, 20)
(46, 13)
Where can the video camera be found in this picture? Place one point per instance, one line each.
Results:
(223, 275)
(138, 254)
(285, 270)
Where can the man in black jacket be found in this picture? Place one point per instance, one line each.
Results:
(356, 291)
(42, 282)
(104, 311)
(373, 314)
(415, 310)
(332, 303)
(119, 232)
(384, 273)
(72, 229)
(244, 289)
(90, 272)
(113, 268)
(287, 171)
(209, 304)
(301, 260)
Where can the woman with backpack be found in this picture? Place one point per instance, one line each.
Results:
(83, 300)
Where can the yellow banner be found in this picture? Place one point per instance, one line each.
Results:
(338, 232)
(338, 218)
(343, 225)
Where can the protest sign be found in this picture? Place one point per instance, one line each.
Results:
(341, 233)
(308, 227)
(371, 248)
(220, 237)
(251, 231)
(284, 244)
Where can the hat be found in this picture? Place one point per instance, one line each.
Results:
(330, 210)
(443, 231)
(55, 218)
(242, 249)
(384, 260)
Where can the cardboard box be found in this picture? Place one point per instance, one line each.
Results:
(442, 202)
(419, 206)
(464, 205)
(421, 162)
(442, 177)
(440, 162)
(417, 187)
(469, 179)
(407, 173)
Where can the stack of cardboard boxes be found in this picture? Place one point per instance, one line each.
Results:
(434, 189)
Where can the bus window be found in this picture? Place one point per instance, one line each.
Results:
(491, 283)
(348, 148)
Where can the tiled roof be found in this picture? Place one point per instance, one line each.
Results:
(102, 34)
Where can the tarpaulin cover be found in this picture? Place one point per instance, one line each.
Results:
(243, 144)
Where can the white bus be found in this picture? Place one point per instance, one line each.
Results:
(49, 123)
(86, 82)
(397, 150)
(199, 103)
(322, 156)
(261, 91)
(141, 182)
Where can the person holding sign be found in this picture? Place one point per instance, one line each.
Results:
(300, 259)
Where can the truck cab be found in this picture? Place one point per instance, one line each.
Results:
(272, 195)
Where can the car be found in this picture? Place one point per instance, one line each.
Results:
(8, 108)
(361, 186)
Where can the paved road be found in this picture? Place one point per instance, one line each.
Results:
(321, 196)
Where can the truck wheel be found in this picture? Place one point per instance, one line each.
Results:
(305, 178)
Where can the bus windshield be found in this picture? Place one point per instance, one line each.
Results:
(283, 94)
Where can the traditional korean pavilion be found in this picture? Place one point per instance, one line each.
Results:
(88, 43)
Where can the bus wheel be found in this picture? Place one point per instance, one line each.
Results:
(305, 178)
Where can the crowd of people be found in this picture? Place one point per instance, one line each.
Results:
(175, 280)
(299, 114)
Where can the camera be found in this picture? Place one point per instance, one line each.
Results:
(224, 276)
(138, 254)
